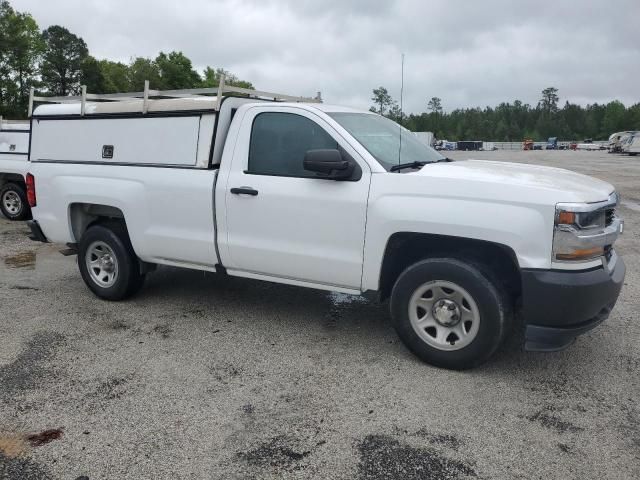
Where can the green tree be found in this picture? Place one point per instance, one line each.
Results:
(614, 118)
(211, 78)
(549, 101)
(395, 113)
(91, 75)
(61, 67)
(7, 86)
(176, 71)
(632, 117)
(142, 69)
(116, 77)
(382, 99)
(20, 50)
(435, 105)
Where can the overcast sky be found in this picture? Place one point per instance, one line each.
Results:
(469, 53)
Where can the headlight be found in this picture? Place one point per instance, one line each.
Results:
(585, 231)
(582, 220)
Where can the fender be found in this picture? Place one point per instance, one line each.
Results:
(524, 228)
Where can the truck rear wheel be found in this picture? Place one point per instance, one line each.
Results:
(107, 262)
(13, 202)
(449, 313)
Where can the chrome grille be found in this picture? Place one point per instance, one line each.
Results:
(609, 215)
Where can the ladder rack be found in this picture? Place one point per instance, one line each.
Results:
(147, 96)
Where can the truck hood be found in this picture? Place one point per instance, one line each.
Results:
(558, 184)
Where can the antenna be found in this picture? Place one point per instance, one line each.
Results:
(401, 88)
(401, 105)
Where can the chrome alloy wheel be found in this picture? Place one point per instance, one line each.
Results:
(102, 264)
(12, 202)
(444, 315)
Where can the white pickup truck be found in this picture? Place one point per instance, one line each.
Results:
(298, 192)
(14, 150)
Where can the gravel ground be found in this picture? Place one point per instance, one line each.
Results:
(206, 377)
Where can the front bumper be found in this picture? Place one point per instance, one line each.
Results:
(557, 306)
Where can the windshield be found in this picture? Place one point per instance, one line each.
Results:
(381, 137)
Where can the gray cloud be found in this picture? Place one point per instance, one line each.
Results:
(468, 53)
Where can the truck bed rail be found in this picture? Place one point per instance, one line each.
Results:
(148, 95)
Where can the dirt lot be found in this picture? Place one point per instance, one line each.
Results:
(207, 377)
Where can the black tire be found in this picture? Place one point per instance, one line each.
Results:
(23, 212)
(493, 305)
(129, 280)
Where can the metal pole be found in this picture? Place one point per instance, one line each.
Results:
(31, 92)
(83, 101)
(145, 97)
(220, 92)
(401, 88)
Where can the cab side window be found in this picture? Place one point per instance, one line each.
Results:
(279, 142)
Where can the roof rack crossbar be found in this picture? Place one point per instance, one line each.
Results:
(147, 96)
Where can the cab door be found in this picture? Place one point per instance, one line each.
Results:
(284, 221)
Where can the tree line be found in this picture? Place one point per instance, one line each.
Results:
(512, 122)
(56, 62)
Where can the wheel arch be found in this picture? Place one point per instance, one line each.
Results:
(406, 248)
(12, 178)
(83, 215)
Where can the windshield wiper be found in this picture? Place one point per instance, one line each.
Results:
(402, 166)
(417, 165)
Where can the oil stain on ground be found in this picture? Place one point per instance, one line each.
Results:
(26, 371)
(440, 439)
(113, 388)
(279, 454)
(384, 457)
(25, 259)
(552, 422)
(44, 437)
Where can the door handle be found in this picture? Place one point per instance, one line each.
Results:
(244, 191)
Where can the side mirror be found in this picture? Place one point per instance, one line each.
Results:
(329, 164)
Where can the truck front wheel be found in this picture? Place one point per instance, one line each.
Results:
(450, 313)
(107, 262)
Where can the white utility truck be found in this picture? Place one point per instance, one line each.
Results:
(290, 190)
(14, 150)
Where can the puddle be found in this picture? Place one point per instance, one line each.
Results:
(21, 260)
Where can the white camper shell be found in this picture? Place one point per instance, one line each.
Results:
(125, 127)
(14, 150)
